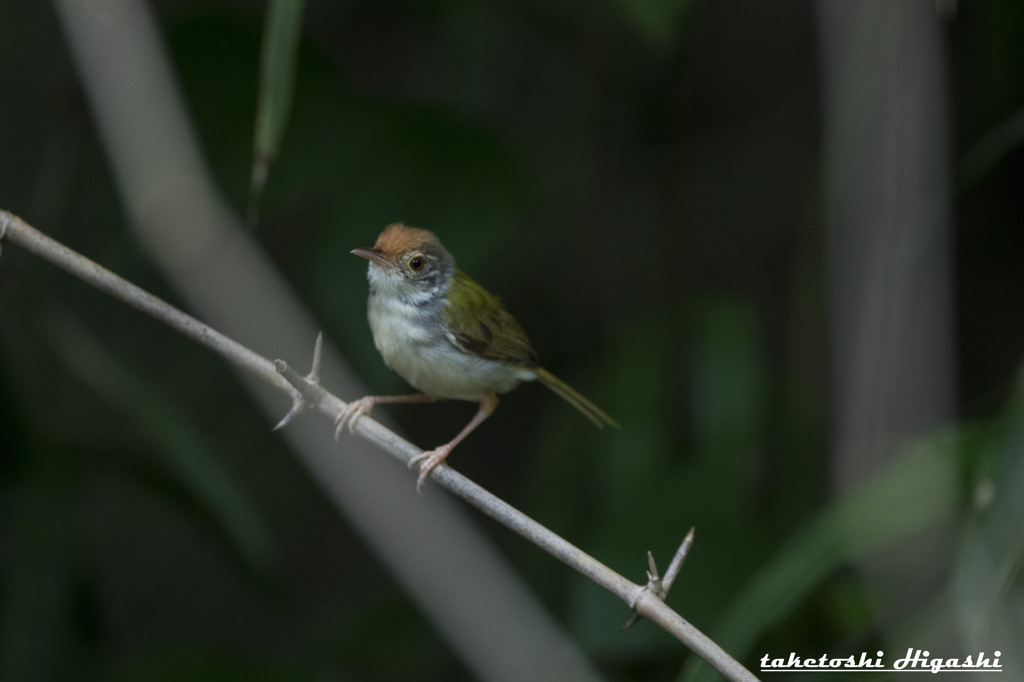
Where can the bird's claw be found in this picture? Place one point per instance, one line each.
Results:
(353, 411)
(427, 461)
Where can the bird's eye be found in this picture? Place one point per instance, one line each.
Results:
(416, 264)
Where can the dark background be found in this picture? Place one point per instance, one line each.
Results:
(642, 184)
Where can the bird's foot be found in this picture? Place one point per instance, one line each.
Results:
(427, 461)
(353, 411)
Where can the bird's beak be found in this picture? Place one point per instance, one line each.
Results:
(374, 256)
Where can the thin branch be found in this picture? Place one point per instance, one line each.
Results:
(20, 233)
(307, 393)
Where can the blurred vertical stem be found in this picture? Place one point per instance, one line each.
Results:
(489, 618)
(281, 35)
(888, 265)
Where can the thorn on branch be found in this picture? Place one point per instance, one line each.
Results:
(657, 585)
(305, 387)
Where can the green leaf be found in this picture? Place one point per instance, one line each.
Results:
(988, 589)
(281, 35)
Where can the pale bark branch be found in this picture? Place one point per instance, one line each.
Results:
(646, 600)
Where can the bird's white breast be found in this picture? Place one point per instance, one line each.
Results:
(409, 337)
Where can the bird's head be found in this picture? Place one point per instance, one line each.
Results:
(408, 263)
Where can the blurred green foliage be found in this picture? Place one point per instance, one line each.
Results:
(639, 181)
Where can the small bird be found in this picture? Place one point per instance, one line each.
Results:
(446, 335)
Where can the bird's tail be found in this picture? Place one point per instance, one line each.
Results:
(574, 398)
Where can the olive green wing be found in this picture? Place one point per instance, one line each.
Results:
(475, 321)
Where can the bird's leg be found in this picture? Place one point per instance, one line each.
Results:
(362, 407)
(431, 458)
